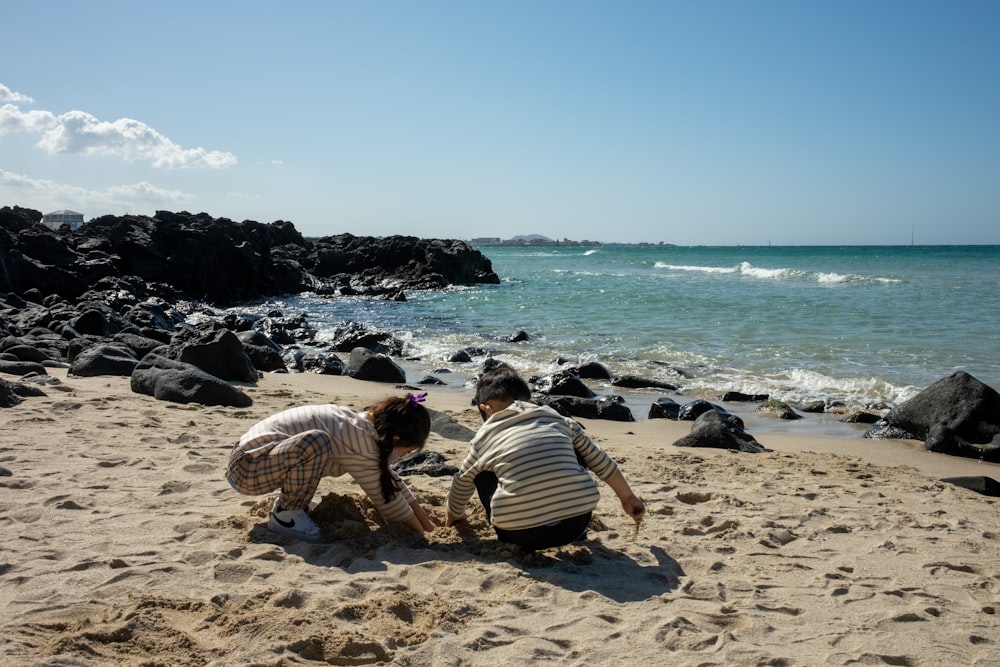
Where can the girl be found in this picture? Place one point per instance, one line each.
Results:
(294, 449)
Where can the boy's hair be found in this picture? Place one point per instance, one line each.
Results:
(501, 383)
(403, 417)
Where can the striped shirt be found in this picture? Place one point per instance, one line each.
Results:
(533, 452)
(355, 452)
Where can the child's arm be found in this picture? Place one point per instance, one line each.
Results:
(632, 505)
(423, 519)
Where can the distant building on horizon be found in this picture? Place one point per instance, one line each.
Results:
(528, 240)
(56, 219)
(486, 240)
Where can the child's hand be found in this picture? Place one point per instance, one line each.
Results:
(634, 507)
(450, 520)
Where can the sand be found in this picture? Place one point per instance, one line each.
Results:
(123, 544)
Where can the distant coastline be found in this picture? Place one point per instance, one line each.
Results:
(533, 240)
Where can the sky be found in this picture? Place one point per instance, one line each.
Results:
(708, 122)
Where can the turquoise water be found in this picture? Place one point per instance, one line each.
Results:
(860, 324)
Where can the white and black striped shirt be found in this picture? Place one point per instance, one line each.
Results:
(533, 452)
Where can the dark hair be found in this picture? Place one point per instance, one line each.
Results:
(397, 417)
(501, 383)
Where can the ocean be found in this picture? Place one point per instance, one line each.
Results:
(859, 325)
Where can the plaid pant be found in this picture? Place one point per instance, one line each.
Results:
(294, 465)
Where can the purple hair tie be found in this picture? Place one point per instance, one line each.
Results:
(416, 399)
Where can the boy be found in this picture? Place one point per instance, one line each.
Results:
(529, 465)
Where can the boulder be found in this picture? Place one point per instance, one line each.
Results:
(467, 354)
(694, 409)
(592, 370)
(779, 409)
(179, 382)
(564, 383)
(636, 382)
(11, 393)
(17, 367)
(104, 359)
(611, 407)
(312, 359)
(365, 364)
(139, 344)
(980, 484)
(214, 350)
(94, 323)
(956, 415)
(447, 427)
(26, 352)
(712, 429)
(264, 353)
(322, 362)
(860, 417)
(664, 408)
(355, 335)
(740, 397)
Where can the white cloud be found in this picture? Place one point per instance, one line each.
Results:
(8, 95)
(46, 195)
(80, 132)
(13, 120)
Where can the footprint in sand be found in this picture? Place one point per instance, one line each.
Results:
(940, 567)
(233, 573)
(174, 487)
(694, 497)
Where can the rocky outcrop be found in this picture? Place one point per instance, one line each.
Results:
(119, 295)
(956, 415)
(395, 261)
(220, 261)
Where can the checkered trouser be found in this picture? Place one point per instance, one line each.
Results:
(294, 465)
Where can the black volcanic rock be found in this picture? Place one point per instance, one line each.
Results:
(179, 382)
(104, 359)
(220, 261)
(956, 415)
(12, 392)
(713, 429)
(127, 288)
(365, 364)
(611, 407)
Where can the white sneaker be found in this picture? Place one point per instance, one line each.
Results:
(293, 523)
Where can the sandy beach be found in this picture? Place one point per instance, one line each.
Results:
(124, 545)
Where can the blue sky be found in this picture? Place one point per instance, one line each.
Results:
(699, 122)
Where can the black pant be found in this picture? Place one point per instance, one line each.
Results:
(539, 537)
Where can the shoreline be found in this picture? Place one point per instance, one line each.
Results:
(125, 545)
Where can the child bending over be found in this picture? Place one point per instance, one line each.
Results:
(529, 466)
(293, 450)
